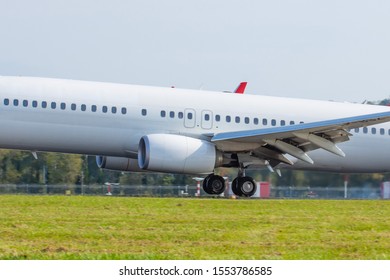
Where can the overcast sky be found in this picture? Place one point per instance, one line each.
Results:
(333, 49)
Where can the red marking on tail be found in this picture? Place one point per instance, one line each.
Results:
(241, 88)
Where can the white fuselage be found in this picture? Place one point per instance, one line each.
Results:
(39, 114)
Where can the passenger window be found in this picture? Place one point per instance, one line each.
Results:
(265, 121)
(16, 102)
(104, 109)
(180, 115)
(53, 105)
(83, 107)
(373, 130)
(237, 119)
(124, 111)
(163, 114)
(246, 120)
(282, 123)
(292, 122)
(228, 119)
(44, 104)
(171, 114)
(189, 116)
(63, 106)
(35, 104)
(6, 101)
(217, 118)
(206, 117)
(25, 103)
(113, 110)
(93, 108)
(357, 130)
(256, 121)
(273, 122)
(143, 112)
(365, 130)
(73, 107)
(382, 131)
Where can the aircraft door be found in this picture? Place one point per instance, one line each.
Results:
(189, 118)
(207, 119)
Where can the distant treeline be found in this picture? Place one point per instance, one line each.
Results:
(19, 167)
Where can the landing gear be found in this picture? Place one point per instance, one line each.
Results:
(241, 186)
(244, 186)
(214, 184)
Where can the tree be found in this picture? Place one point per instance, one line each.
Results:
(62, 168)
(18, 167)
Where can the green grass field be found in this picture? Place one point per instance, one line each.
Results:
(75, 227)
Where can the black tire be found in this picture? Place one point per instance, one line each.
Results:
(246, 186)
(206, 185)
(235, 189)
(214, 184)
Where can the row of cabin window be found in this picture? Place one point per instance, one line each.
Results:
(374, 130)
(237, 119)
(228, 119)
(62, 105)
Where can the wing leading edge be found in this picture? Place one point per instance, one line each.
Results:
(272, 144)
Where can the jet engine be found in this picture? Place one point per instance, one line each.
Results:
(177, 154)
(118, 163)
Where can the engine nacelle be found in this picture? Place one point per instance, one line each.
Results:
(118, 163)
(177, 154)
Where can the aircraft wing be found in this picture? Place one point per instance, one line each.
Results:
(296, 140)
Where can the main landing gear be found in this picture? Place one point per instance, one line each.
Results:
(244, 186)
(241, 186)
(214, 184)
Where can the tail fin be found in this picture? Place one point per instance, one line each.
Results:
(241, 88)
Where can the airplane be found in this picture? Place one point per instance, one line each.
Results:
(154, 129)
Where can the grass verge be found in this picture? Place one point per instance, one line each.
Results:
(75, 227)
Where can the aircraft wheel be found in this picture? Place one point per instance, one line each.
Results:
(244, 186)
(206, 185)
(247, 186)
(235, 189)
(214, 184)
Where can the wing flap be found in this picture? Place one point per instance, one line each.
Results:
(321, 142)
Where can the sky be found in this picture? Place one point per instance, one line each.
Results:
(329, 50)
